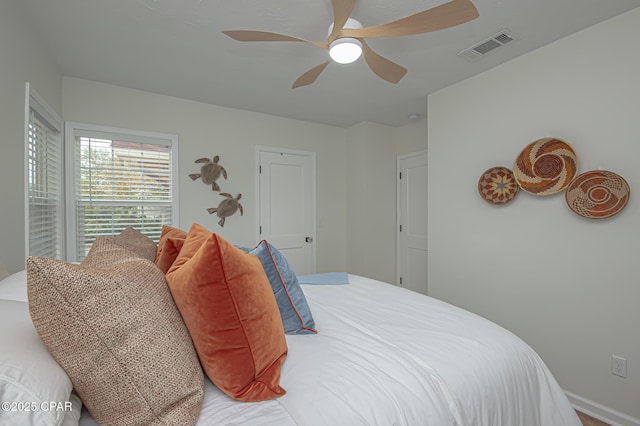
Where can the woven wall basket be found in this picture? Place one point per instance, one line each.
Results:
(545, 167)
(497, 185)
(598, 194)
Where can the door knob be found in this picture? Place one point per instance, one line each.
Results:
(308, 239)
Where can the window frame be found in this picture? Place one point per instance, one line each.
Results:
(47, 115)
(139, 136)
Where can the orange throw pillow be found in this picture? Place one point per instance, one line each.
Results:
(169, 246)
(227, 304)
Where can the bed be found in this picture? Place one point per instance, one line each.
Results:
(383, 355)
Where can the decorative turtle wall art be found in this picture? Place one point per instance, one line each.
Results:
(227, 207)
(210, 172)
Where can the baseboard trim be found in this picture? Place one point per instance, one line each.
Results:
(600, 412)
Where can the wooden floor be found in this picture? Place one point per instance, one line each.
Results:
(590, 421)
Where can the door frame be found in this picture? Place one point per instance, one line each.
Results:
(399, 207)
(262, 148)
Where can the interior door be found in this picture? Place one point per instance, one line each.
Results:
(412, 218)
(287, 205)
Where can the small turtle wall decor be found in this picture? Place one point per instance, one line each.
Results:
(210, 172)
(227, 207)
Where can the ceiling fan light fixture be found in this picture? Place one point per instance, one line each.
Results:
(347, 43)
(345, 50)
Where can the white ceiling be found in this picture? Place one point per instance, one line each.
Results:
(175, 47)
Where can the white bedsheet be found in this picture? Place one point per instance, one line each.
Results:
(388, 356)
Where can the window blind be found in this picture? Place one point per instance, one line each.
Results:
(118, 183)
(44, 188)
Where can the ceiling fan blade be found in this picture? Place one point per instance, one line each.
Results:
(447, 15)
(310, 76)
(382, 67)
(341, 12)
(251, 35)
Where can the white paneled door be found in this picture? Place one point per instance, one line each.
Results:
(412, 221)
(286, 192)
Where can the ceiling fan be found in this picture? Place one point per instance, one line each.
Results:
(346, 36)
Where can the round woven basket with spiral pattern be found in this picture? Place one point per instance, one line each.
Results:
(546, 166)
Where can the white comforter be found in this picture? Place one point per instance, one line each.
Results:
(388, 356)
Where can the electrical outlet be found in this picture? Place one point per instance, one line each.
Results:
(618, 366)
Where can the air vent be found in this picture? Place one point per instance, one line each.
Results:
(480, 49)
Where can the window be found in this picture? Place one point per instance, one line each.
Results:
(44, 179)
(118, 178)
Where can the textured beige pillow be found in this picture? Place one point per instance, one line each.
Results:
(112, 325)
(134, 240)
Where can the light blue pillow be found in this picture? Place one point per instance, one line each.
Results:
(294, 310)
(327, 278)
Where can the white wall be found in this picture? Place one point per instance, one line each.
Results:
(23, 59)
(411, 137)
(567, 285)
(355, 167)
(371, 202)
(205, 131)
